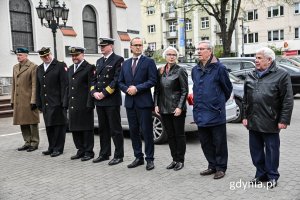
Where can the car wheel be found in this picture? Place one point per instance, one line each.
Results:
(239, 111)
(159, 133)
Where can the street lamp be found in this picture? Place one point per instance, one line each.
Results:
(149, 52)
(51, 13)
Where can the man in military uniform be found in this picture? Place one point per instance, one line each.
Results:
(80, 104)
(23, 100)
(108, 101)
(52, 81)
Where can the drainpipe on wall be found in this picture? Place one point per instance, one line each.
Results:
(110, 19)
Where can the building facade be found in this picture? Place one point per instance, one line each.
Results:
(87, 21)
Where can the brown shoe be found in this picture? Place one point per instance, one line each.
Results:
(207, 172)
(219, 174)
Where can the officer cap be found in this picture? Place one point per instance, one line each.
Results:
(21, 50)
(105, 41)
(76, 50)
(44, 51)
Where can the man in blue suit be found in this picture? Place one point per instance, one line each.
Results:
(138, 75)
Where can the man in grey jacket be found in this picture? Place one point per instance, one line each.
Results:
(268, 105)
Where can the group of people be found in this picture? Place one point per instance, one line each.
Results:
(54, 88)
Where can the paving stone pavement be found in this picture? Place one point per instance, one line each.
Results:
(25, 175)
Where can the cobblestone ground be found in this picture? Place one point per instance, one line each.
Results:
(33, 176)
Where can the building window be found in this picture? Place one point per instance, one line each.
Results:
(252, 15)
(21, 24)
(204, 38)
(297, 33)
(152, 45)
(126, 53)
(172, 43)
(297, 8)
(204, 22)
(151, 29)
(189, 42)
(150, 10)
(251, 38)
(89, 23)
(188, 24)
(172, 26)
(276, 35)
(275, 11)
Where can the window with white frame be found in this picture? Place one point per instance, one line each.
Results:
(276, 35)
(150, 10)
(189, 42)
(297, 8)
(297, 36)
(204, 22)
(205, 38)
(275, 11)
(250, 38)
(252, 15)
(172, 43)
(172, 26)
(151, 28)
(152, 45)
(188, 24)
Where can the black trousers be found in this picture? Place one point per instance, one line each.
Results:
(213, 141)
(109, 120)
(174, 127)
(56, 137)
(140, 120)
(264, 150)
(84, 142)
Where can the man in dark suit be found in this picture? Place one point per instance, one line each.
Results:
(52, 81)
(80, 104)
(138, 75)
(108, 101)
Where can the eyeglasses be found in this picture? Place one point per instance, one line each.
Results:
(201, 49)
(137, 45)
(169, 54)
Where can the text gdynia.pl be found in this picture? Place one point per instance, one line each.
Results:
(234, 185)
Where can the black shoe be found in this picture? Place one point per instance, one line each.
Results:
(136, 162)
(87, 157)
(172, 165)
(150, 165)
(30, 149)
(100, 159)
(23, 148)
(259, 179)
(77, 156)
(55, 154)
(219, 174)
(115, 161)
(208, 172)
(271, 183)
(46, 153)
(178, 166)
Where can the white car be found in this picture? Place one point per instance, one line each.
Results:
(190, 126)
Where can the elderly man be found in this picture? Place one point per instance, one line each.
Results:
(268, 105)
(52, 81)
(23, 100)
(108, 100)
(80, 104)
(211, 89)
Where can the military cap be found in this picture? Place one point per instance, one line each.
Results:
(21, 50)
(105, 41)
(44, 51)
(76, 50)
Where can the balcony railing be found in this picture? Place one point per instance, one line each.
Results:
(171, 35)
(170, 15)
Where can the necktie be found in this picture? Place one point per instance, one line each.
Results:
(133, 67)
(105, 59)
(75, 66)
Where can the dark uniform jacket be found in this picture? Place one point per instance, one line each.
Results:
(268, 100)
(78, 99)
(106, 80)
(51, 87)
(171, 89)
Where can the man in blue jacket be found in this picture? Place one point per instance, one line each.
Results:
(138, 75)
(211, 89)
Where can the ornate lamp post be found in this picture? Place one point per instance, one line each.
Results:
(149, 52)
(51, 13)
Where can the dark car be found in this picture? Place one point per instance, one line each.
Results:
(241, 66)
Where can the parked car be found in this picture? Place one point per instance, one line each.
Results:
(238, 90)
(241, 66)
(289, 60)
(190, 126)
